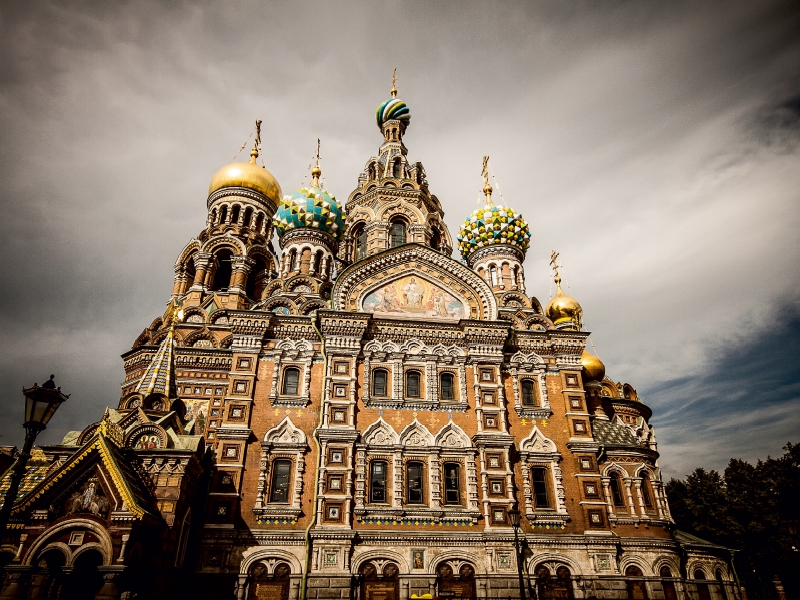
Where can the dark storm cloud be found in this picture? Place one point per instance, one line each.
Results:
(654, 145)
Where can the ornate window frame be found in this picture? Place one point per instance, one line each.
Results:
(284, 441)
(537, 450)
(292, 353)
(380, 441)
(530, 366)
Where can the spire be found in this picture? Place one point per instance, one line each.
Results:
(556, 276)
(316, 172)
(393, 91)
(487, 189)
(159, 377)
(256, 143)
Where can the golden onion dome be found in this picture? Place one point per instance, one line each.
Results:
(563, 309)
(593, 368)
(247, 175)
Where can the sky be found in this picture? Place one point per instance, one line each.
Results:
(656, 146)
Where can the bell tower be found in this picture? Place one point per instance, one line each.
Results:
(392, 204)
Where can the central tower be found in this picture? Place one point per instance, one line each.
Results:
(392, 204)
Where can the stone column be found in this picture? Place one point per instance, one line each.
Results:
(240, 265)
(111, 575)
(15, 586)
(241, 587)
(202, 265)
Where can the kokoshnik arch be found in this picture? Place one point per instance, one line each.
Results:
(355, 415)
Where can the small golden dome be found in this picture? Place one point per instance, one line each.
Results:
(593, 368)
(247, 175)
(562, 308)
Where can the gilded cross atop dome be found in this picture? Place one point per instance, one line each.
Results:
(487, 188)
(564, 311)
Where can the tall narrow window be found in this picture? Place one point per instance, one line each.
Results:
(281, 471)
(702, 585)
(412, 384)
(616, 490)
(446, 391)
(493, 272)
(670, 593)
(398, 234)
(452, 487)
(541, 498)
(361, 243)
(291, 380)
(528, 399)
(235, 214)
(379, 378)
(377, 481)
(416, 490)
(646, 497)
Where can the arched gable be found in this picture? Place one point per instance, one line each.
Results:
(382, 284)
(416, 434)
(537, 442)
(380, 433)
(285, 432)
(452, 436)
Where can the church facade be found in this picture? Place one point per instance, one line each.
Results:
(357, 414)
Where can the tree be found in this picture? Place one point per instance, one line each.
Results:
(750, 508)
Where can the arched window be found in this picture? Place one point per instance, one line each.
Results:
(528, 398)
(398, 234)
(377, 480)
(436, 240)
(647, 499)
(281, 473)
(361, 243)
(380, 378)
(637, 590)
(248, 217)
(452, 483)
(721, 582)
(412, 384)
(541, 496)
(493, 272)
(670, 593)
(294, 258)
(291, 381)
(702, 585)
(259, 222)
(254, 285)
(223, 271)
(214, 217)
(235, 214)
(616, 490)
(223, 214)
(552, 587)
(416, 488)
(446, 387)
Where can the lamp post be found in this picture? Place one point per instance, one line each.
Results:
(514, 516)
(41, 404)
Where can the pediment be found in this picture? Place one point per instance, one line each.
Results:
(452, 436)
(285, 432)
(416, 434)
(414, 282)
(537, 442)
(380, 433)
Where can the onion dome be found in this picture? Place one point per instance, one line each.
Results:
(593, 368)
(310, 207)
(563, 309)
(493, 225)
(247, 175)
(392, 109)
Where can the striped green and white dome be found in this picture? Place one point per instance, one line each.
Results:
(493, 225)
(393, 108)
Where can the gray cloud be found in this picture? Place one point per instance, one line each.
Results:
(654, 145)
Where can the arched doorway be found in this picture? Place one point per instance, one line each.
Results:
(50, 577)
(455, 586)
(722, 589)
(270, 585)
(85, 580)
(379, 581)
(554, 587)
(637, 590)
(667, 584)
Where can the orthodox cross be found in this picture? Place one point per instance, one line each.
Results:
(554, 265)
(394, 84)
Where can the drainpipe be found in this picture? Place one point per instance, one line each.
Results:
(307, 537)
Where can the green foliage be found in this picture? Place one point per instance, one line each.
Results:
(753, 509)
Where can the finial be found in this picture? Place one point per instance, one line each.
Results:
(556, 276)
(487, 189)
(256, 143)
(316, 171)
(394, 84)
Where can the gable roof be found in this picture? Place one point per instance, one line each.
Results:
(127, 482)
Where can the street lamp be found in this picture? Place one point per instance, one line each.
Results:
(514, 516)
(41, 404)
